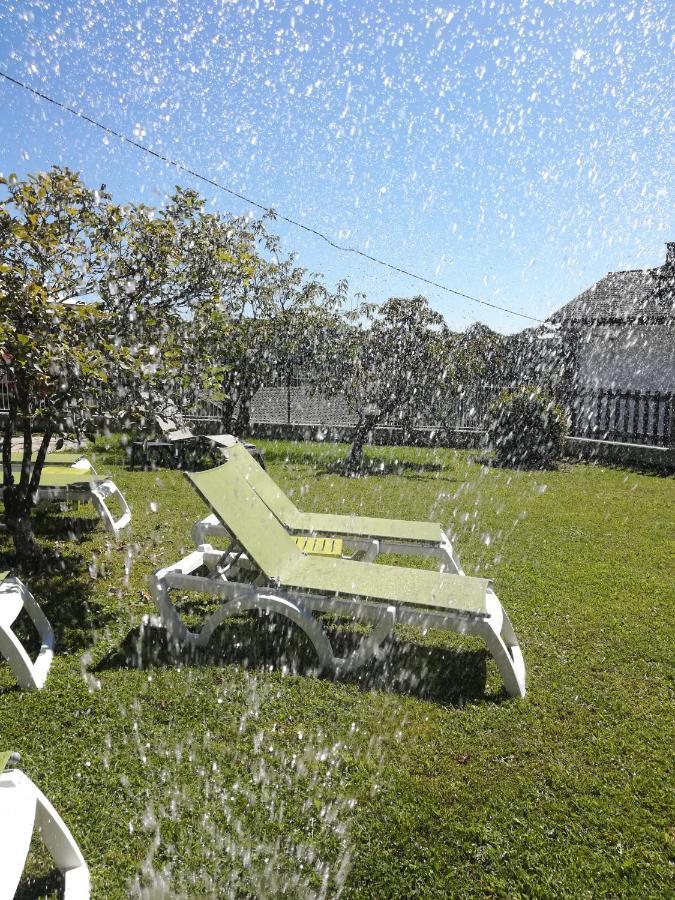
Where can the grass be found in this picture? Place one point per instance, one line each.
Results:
(417, 778)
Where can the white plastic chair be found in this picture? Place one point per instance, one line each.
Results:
(23, 806)
(15, 596)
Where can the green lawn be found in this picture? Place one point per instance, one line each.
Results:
(416, 779)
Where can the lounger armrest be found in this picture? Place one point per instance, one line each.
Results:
(210, 526)
(102, 492)
(30, 805)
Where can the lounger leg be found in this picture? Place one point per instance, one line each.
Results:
(30, 675)
(99, 495)
(501, 641)
(63, 848)
(22, 807)
(369, 646)
(450, 560)
(168, 613)
(294, 612)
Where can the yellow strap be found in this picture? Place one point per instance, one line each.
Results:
(318, 546)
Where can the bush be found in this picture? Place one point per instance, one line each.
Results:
(526, 428)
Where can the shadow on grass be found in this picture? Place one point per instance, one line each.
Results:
(64, 528)
(269, 642)
(375, 466)
(58, 582)
(329, 462)
(51, 885)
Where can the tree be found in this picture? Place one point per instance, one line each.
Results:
(160, 289)
(271, 314)
(94, 305)
(394, 365)
(305, 317)
(52, 240)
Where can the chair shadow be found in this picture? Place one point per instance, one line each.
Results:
(331, 463)
(375, 467)
(62, 527)
(50, 885)
(269, 642)
(9, 689)
(64, 596)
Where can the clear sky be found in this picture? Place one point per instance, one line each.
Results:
(514, 151)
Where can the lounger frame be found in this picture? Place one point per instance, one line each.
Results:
(300, 606)
(22, 807)
(15, 596)
(97, 492)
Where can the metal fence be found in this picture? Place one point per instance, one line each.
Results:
(4, 396)
(635, 417)
(626, 417)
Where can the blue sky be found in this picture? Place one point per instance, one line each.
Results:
(513, 151)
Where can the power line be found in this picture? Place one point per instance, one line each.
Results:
(266, 209)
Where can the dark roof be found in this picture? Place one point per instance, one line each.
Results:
(639, 295)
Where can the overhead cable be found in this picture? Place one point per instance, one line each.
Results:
(266, 209)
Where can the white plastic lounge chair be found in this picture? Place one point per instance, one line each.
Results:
(15, 596)
(69, 484)
(23, 806)
(361, 534)
(264, 569)
(172, 433)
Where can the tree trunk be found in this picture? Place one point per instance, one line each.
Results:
(18, 508)
(288, 397)
(18, 497)
(243, 417)
(354, 460)
(228, 415)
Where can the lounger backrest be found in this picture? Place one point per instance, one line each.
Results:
(166, 425)
(264, 486)
(246, 516)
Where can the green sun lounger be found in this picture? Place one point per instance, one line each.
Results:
(68, 484)
(265, 569)
(365, 534)
(58, 458)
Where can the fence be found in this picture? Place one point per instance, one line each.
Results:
(4, 396)
(626, 417)
(631, 417)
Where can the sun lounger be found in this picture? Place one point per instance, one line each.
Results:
(15, 596)
(22, 807)
(72, 460)
(362, 534)
(264, 569)
(69, 484)
(171, 432)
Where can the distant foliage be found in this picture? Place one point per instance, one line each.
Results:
(527, 428)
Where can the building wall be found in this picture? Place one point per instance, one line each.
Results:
(621, 358)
